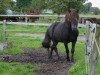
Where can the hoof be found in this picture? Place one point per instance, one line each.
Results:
(72, 59)
(49, 57)
(68, 59)
(59, 58)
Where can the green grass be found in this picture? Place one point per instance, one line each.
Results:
(82, 31)
(79, 67)
(18, 69)
(98, 66)
(26, 29)
(89, 15)
(12, 29)
(18, 43)
(0, 32)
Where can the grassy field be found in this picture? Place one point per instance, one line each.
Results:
(30, 29)
(19, 42)
(17, 69)
(89, 15)
(98, 67)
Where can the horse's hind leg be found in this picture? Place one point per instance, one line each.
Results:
(53, 47)
(48, 51)
(67, 51)
(56, 50)
(72, 51)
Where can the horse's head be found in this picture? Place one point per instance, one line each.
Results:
(72, 18)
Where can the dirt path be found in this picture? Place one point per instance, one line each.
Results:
(40, 57)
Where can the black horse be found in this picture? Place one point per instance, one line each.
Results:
(63, 32)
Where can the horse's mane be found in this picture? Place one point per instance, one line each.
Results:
(70, 14)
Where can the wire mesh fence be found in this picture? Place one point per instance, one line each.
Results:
(17, 37)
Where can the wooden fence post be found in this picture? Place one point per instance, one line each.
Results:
(88, 48)
(4, 34)
(26, 19)
(92, 42)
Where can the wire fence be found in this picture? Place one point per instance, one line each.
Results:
(92, 36)
(26, 20)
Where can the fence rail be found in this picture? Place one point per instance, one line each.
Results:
(60, 17)
(24, 23)
(46, 16)
(26, 17)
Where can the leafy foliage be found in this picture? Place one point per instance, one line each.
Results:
(58, 6)
(89, 9)
(23, 4)
(4, 4)
(38, 4)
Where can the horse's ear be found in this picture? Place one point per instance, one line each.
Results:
(69, 10)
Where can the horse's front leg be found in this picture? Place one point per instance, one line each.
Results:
(72, 51)
(67, 51)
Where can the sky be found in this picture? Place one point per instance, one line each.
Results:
(95, 3)
(14, 0)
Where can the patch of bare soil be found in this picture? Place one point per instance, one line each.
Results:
(40, 57)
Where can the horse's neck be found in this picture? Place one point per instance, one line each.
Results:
(68, 24)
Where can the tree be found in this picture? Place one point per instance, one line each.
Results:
(38, 5)
(60, 6)
(87, 7)
(22, 5)
(4, 5)
(95, 10)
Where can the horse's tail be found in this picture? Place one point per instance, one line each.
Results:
(47, 40)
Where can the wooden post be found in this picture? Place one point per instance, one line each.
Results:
(93, 60)
(88, 48)
(92, 41)
(26, 19)
(82, 20)
(94, 56)
(4, 34)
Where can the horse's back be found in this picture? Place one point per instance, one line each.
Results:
(59, 31)
(52, 28)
